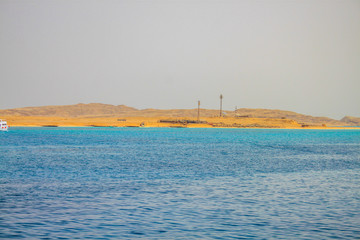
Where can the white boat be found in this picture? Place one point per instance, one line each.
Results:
(3, 125)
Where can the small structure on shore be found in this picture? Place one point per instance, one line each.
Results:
(181, 121)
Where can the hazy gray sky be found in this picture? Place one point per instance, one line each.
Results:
(302, 56)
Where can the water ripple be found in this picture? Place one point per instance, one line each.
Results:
(179, 184)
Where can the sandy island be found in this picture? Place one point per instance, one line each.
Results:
(209, 122)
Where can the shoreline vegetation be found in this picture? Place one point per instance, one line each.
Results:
(208, 122)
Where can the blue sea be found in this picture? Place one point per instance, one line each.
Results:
(166, 183)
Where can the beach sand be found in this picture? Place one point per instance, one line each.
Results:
(210, 122)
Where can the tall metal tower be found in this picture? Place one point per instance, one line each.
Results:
(221, 97)
(198, 115)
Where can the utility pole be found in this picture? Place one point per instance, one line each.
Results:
(198, 116)
(221, 97)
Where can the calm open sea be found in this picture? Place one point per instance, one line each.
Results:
(160, 183)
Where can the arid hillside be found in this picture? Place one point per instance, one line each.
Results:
(92, 109)
(120, 111)
(353, 121)
(300, 118)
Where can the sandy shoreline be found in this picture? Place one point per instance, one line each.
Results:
(214, 122)
(307, 128)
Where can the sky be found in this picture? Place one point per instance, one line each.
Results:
(301, 56)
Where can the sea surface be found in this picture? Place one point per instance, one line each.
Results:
(164, 183)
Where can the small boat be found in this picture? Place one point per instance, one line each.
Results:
(3, 125)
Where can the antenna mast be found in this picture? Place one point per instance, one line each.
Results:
(198, 115)
(221, 97)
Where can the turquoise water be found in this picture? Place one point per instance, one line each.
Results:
(158, 183)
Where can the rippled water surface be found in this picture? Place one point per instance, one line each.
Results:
(152, 183)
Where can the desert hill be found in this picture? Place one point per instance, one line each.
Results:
(119, 111)
(300, 118)
(92, 109)
(353, 121)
